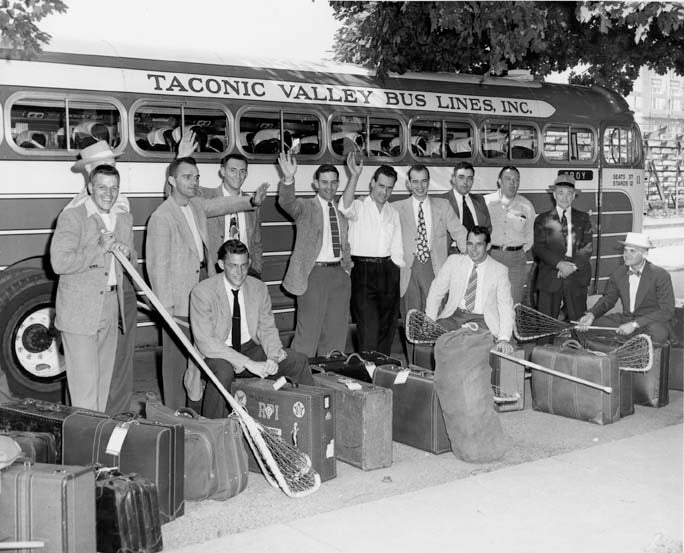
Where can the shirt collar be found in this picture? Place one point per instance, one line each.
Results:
(91, 208)
(324, 203)
(640, 268)
(560, 212)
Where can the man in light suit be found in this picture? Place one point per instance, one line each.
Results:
(318, 273)
(178, 258)
(244, 225)
(233, 327)
(645, 291)
(479, 291)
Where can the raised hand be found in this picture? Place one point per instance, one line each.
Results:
(288, 166)
(260, 193)
(187, 145)
(354, 164)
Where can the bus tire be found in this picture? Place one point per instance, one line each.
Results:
(30, 348)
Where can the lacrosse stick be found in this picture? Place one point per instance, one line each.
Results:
(635, 355)
(501, 397)
(142, 305)
(283, 465)
(421, 329)
(530, 324)
(606, 389)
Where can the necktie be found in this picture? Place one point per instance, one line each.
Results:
(237, 322)
(234, 233)
(422, 250)
(471, 289)
(564, 230)
(334, 230)
(632, 272)
(468, 221)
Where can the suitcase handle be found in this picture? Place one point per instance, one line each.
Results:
(571, 344)
(187, 412)
(334, 352)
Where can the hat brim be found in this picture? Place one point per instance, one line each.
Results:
(81, 163)
(567, 185)
(623, 243)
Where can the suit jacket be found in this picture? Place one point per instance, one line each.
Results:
(549, 249)
(216, 228)
(481, 212)
(443, 220)
(308, 217)
(84, 267)
(211, 320)
(497, 301)
(654, 298)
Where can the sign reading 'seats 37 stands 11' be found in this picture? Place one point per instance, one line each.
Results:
(622, 178)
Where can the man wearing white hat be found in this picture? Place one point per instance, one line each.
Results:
(645, 291)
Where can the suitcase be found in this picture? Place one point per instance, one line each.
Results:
(336, 362)
(303, 416)
(127, 508)
(54, 504)
(651, 388)
(151, 449)
(558, 396)
(363, 421)
(676, 376)
(37, 447)
(626, 377)
(215, 456)
(510, 377)
(417, 418)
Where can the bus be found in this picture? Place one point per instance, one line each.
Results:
(142, 103)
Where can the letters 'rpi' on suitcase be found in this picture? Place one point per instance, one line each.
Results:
(302, 416)
(417, 418)
(54, 504)
(559, 396)
(363, 421)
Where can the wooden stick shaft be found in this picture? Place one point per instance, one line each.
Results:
(606, 389)
(596, 327)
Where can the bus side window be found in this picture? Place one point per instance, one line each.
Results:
(619, 145)
(347, 134)
(509, 141)
(523, 142)
(495, 141)
(556, 146)
(272, 132)
(381, 137)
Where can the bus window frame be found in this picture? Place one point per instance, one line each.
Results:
(281, 110)
(508, 158)
(570, 127)
(183, 104)
(639, 154)
(67, 153)
(366, 115)
(445, 121)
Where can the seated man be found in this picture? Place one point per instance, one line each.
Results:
(645, 291)
(479, 291)
(233, 327)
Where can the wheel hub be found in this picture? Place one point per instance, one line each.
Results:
(38, 346)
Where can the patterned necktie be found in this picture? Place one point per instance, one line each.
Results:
(334, 230)
(564, 230)
(471, 289)
(235, 334)
(468, 221)
(422, 250)
(636, 273)
(234, 233)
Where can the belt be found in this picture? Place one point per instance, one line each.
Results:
(112, 288)
(360, 259)
(507, 248)
(327, 263)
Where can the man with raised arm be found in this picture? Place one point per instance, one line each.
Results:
(377, 254)
(318, 273)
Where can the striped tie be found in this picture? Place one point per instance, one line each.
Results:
(471, 289)
(334, 230)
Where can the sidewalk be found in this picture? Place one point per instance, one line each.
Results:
(624, 496)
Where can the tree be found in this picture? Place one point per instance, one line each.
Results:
(614, 39)
(18, 27)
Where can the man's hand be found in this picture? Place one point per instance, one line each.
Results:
(354, 165)
(504, 346)
(106, 240)
(187, 145)
(566, 268)
(288, 166)
(585, 322)
(260, 193)
(257, 368)
(271, 367)
(626, 328)
(122, 249)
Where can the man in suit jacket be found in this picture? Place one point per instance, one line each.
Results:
(563, 245)
(479, 291)
(318, 273)
(244, 225)
(475, 212)
(90, 300)
(178, 258)
(645, 291)
(233, 327)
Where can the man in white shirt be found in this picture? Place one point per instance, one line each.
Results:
(377, 253)
(479, 291)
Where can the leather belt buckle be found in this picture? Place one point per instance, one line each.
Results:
(507, 248)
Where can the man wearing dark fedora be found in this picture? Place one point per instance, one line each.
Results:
(563, 246)
(645, 291)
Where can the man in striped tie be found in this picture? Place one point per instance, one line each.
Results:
(479, 291)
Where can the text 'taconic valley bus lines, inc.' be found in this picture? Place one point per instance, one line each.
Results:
(141, 103)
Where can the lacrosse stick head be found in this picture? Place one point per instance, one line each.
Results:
(636, 354)
(531, 324)
(421, 329)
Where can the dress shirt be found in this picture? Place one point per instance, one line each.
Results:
(568, 217)
(471, 206)
(427, 215)
(326, 254)
(512, 220)
(242, 222)
(244, 329)
(634, 281)
(374, 233)
(482, 269)
(186, 210)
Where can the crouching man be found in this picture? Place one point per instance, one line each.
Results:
(233, 327)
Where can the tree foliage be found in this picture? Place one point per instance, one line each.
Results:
(18, 27)
(614, 39)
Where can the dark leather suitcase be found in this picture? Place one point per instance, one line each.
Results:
(558, 396)
(606, 345)
(215, 455)
(417, 418)
(651, 388)
(676, 376)
(355, 367)
(54, 504)
(127, 514)
(37, 447)
(510, 378)
(363, 421)
(303, 416)
(151, 449)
